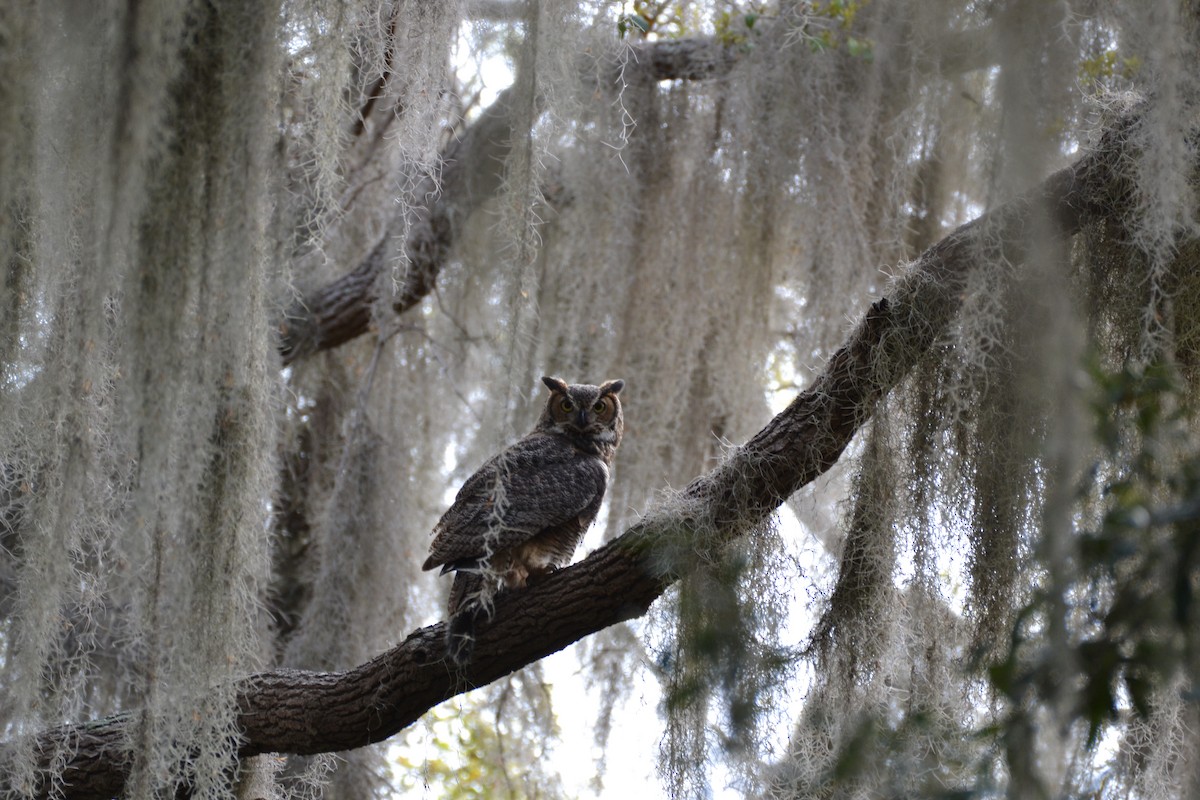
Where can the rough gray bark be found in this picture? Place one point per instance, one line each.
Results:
(294, 711)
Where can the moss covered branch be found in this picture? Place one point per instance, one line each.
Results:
(295, 711)
(472, 171)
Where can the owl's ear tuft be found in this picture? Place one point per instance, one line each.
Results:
(612, 387)
(554, 384)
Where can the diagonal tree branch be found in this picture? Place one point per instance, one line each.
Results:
(302, 712)
(472, 171)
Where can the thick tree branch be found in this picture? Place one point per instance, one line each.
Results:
(294, 711)
(472, 171)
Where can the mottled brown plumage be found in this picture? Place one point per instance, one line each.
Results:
(523, 513)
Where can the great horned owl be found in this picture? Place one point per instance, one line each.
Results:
(523, 513)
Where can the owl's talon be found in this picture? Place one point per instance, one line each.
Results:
(540, 575)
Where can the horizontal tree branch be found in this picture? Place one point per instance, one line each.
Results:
(302, 712)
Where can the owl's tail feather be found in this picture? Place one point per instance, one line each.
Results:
(466, 606)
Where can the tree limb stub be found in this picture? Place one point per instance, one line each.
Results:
(296, 711)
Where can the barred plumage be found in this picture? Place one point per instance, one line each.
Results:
(523, 513)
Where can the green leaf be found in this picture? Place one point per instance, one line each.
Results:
(860, 48)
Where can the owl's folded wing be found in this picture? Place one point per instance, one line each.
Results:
(510, 499)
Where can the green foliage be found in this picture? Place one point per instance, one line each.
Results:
(725, 653)
(1108, 66)
(630, 22)
(1131, 594)
(730, 23)
(463, 759)
(453, 766)
(664, 19)
(829, 28)
(734, 25)
(917, 745)
(724, 666)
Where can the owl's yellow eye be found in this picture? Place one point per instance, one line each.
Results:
(600, 407)
(566, 405)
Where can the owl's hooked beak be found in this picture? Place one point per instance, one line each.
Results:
(581, 421)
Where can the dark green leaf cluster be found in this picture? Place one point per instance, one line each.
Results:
(1131, 594)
